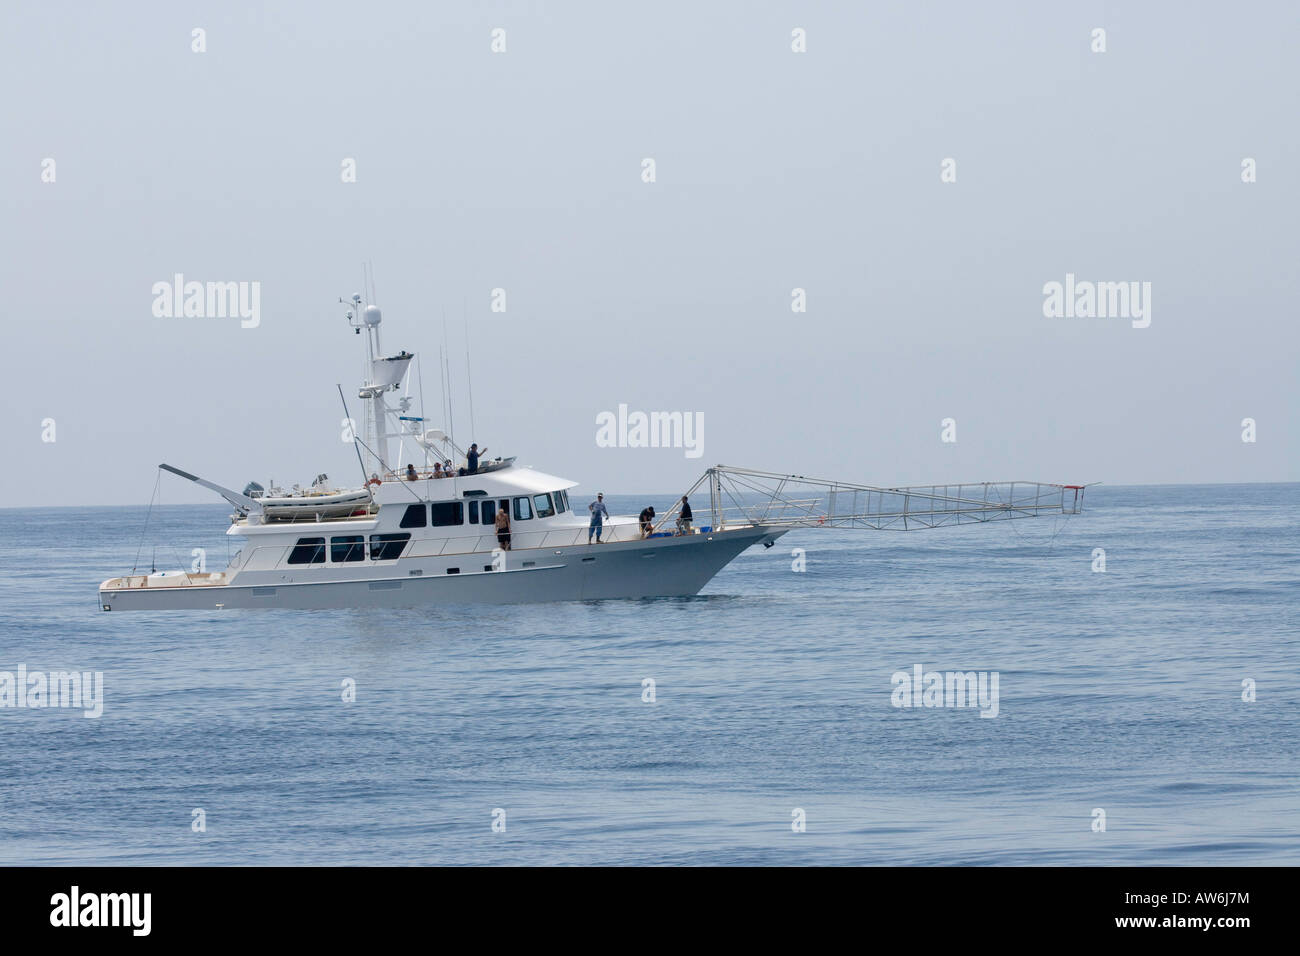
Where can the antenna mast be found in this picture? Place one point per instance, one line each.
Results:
(380, 376)
(469, 379)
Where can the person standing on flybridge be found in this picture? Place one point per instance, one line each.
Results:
(597, 509)
(471, 459)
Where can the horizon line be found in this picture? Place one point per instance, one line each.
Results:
(1097, 484)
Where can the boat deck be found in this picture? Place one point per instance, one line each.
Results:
(173, 579)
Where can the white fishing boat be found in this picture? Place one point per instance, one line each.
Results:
(427, 534)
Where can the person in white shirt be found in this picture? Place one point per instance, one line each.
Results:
(597, 509)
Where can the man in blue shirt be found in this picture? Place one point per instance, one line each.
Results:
(597, 509)
(471, 457)
(685, 517)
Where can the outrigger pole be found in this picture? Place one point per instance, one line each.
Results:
(243, 503)
(744, 497)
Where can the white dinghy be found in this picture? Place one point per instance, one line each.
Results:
(318, 501)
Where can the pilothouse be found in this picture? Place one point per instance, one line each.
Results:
(433, 533)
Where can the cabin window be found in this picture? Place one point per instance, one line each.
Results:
(308, 551)
(415, 516)
(473, 512)
(562, 502)
(542, 505)
(523, 509)
(348, 547)
(447, 513)
(488, 509)
(387, 547)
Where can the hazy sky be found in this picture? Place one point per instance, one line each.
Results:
(774, 170)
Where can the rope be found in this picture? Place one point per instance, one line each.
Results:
(157, 483)
(1058, 525)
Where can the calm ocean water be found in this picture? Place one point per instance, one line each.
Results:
(1119, 690)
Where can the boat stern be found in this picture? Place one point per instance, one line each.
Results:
(137, 591)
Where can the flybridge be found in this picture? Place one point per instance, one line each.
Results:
(388, 422)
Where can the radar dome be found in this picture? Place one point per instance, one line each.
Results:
(371, 316)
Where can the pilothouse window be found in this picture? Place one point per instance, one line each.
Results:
(523, 510)
(447, 513)
(542, 504)
(387, 547)
(308, 551)
(348, 547)
(416, 516)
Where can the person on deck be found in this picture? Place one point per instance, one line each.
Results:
(597, 509)
(410, 473)
(437, 469)
(472, 456)
(647, 520)
(685, 518)
(502, 523)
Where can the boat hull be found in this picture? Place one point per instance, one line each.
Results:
(658, 567)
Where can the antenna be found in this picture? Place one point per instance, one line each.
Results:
(451, 408)
(442, 379)
(469, 380)
(419, 371)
